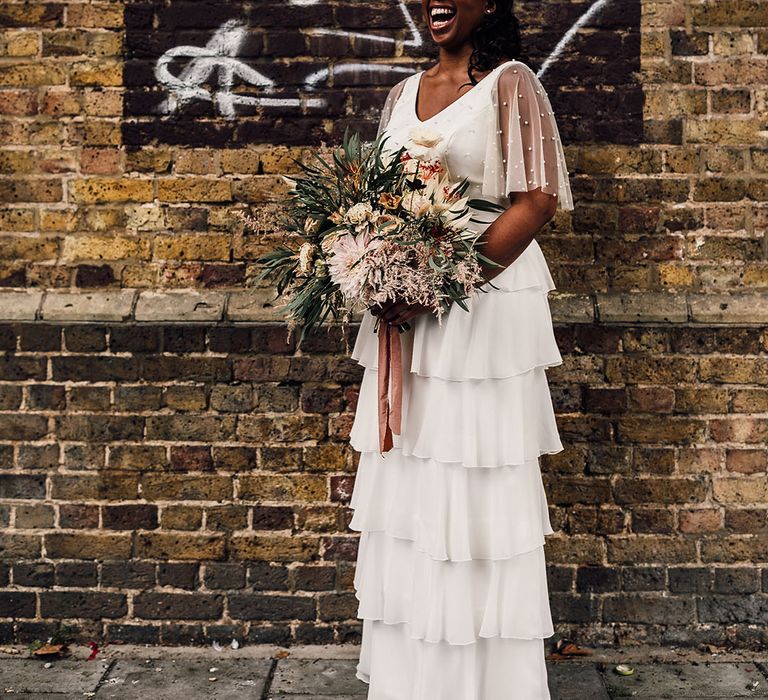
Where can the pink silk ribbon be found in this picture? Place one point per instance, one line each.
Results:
(390, 366)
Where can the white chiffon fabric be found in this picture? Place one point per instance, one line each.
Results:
(451, 576)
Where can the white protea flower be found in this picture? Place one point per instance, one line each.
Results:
(346, 265)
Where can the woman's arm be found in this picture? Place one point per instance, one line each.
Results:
(511, 232)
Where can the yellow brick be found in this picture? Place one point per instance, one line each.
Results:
(18, 162)
(65, 220)
(269, 487)
(654, 44)
(192, 247)
(722, 160)
(242, 160)
(17, 219)
(727, 131)
(102, 133)
(34, 248)
(662, 103)
(32, 74)
(682, 160)
(739, 71)
(103, 219)
(101, 73)
(101, 190)
(734, 43)
(740, 490)
(755, 275)
(664, 14)
(274, 548)
(672, 275)
(59, 102)
(619, 160)
(103, 103)
(96, 15)
(145, 218)
(280, 160)
(22, 43)
(139, 276)
(193, 190)
(105, 44)
(261, 189)
(95, 247)
(195, 161)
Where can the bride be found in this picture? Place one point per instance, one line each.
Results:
(451, 577)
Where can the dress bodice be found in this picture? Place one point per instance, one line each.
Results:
(461, 123)
(500, 134)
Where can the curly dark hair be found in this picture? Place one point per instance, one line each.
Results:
(495, 40)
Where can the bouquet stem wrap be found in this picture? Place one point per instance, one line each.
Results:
(390, 367)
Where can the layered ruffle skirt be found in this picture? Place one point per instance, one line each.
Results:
(451, 577)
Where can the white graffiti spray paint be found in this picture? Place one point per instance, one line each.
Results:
(219, 57)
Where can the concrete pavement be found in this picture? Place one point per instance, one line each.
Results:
(323, 673)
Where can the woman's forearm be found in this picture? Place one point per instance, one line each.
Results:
(511, 232)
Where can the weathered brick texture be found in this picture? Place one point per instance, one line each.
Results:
(172, 471)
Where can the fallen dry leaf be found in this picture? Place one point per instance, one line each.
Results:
(51, 650)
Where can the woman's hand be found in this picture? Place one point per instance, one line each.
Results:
(398, 312)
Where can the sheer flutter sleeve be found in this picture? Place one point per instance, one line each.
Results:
(389, 105)
(523, 149)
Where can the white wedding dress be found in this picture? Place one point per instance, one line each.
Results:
(451, 577)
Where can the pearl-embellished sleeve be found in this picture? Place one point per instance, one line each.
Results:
(389, 105)
(523, 148)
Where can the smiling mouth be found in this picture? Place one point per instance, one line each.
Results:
(441, 17)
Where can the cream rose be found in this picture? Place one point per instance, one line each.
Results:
(359, 213)
(421, 142)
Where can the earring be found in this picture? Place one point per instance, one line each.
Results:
(490, 10)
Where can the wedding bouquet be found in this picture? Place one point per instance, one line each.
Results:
(377, 226)
(374, 226)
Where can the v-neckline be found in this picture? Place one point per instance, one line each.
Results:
(420, 74)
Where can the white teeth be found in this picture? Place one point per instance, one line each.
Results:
(441, 11)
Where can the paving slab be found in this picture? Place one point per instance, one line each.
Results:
(575, 681)
(159, 679)
(320, 677)
(30, 678)
(701, 681)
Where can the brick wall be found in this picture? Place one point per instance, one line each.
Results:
(172, 470)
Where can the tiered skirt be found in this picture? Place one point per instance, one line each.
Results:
(451, 577)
